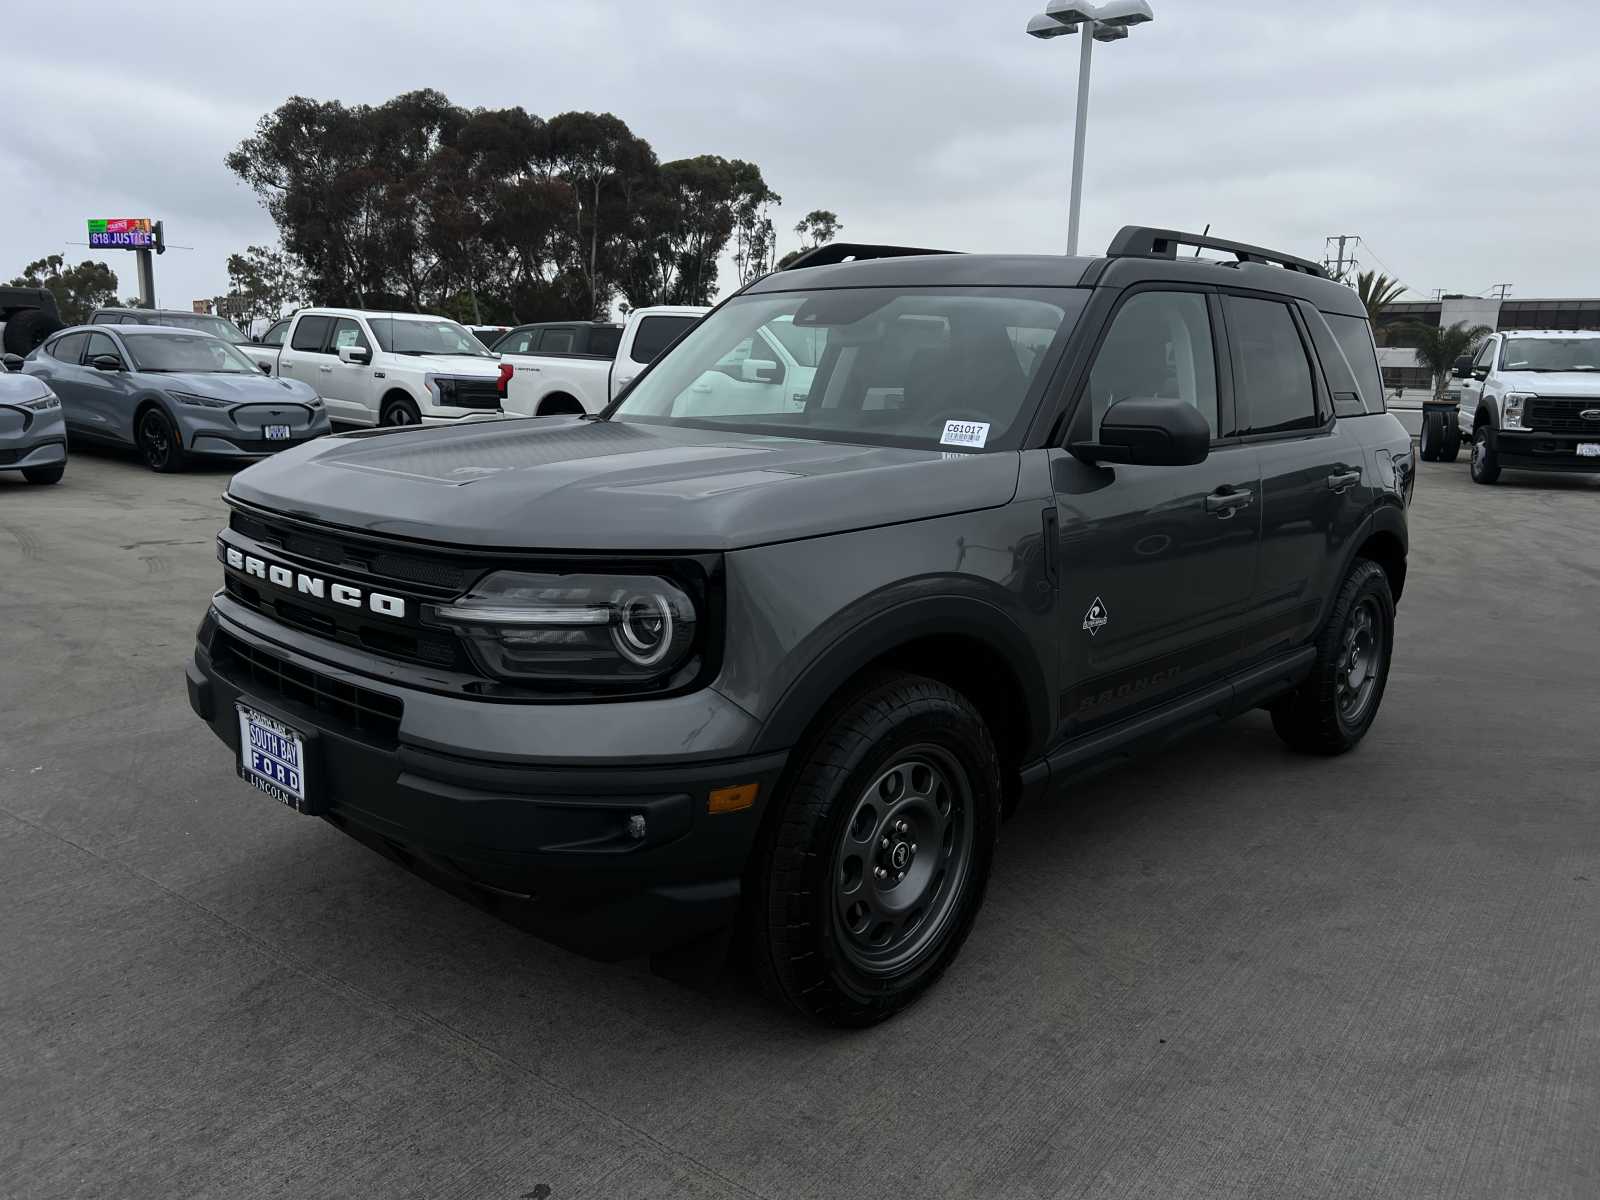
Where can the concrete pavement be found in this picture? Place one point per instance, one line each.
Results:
(1225, 971)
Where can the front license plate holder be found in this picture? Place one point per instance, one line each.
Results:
(278, 759)
(277, 433)
(1589, 449)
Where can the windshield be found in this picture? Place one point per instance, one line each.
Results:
(940, 366)
(425, 335)
(1551, 354)
(188, 352)
(215, 326)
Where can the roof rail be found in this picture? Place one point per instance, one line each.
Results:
(1137, 241)
(838, 252)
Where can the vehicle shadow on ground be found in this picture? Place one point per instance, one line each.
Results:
(131, 457)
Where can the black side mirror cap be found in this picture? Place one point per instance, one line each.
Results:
(1462, 366)
(1152, 431)
(266, 368)
(106, 362)
(11, 362)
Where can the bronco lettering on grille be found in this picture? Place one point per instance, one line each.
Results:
(313, 585)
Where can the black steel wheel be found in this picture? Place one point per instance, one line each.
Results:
(872, 863)
(1334, 707)
(159, 441)
(904, 858)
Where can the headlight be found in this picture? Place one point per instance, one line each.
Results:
(1511, 409)
(194, 401)
(41, 403)
(599, 630)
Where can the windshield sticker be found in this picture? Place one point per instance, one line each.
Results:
(965, 433)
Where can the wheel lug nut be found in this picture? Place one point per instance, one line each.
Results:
(899, 876)
(884, 843)
(913, 847)
(880, 873)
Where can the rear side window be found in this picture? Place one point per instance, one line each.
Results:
(1159, 344)
(1355, 339)
(1272, 384)
(310, 333)
(555, 341)
(68, 349)
(604, 342)
(655, 335)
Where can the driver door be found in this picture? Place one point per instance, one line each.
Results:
(1472, 386)
(1157, 564)
(346, 387)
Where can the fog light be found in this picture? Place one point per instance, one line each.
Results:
(732, 799)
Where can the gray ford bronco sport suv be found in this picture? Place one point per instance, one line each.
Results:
(780, 667)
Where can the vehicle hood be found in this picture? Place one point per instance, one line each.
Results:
(445, 364)
(564, 483)
(17, 387)
(238, 389)
(1551, 383)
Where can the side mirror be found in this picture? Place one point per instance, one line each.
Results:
(256, 338)
(760, 370)
(1152, 431)
(266, 368)
(106, 362)
(1480, 373)
(359, 355)
(1462, 366)
(12, 362)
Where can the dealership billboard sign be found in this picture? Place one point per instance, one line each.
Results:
(121, 233)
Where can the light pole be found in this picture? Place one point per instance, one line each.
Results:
(1108, 22)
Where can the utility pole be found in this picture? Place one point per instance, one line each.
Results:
(1502, 288)
(1338, 265)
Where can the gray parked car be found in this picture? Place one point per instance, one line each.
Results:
(173, 394)
(32, 437)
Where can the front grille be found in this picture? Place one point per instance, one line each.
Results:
(1549, 414)
(350, 628)
(333, 551)
(369, 716)
(470, 393)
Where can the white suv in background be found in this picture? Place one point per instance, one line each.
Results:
(1530, 401)
(373, 368)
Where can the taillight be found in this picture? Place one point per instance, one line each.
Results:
(506, 372)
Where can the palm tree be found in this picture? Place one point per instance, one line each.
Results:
(1377, 291)
(1438, 347)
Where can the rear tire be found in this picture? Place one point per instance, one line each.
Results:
(50, 474)
(159, 442)
(26, 329)
(399, 412)
(1485, 460)
(1432, 436)
(1452, 441)
(1335, 705)
(906, 761)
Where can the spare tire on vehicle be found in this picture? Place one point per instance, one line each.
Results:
(26, 329)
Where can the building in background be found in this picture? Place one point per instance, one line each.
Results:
(1397, 344)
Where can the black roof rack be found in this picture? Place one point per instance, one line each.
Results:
(1136, 241)
(838, 252)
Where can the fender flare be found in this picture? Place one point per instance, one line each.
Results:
(1388, 517)
(899, 625)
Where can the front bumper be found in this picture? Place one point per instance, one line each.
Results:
(552, 844)
(1521, 450)
(46, 453)
(31, 439)
(240, 432)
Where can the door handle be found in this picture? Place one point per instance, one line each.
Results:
(326, 370)
(1343, 482)
(1225, 504)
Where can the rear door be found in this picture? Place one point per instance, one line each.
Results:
(1157, 564)
(1313, 469)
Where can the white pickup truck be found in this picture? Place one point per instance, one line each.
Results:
(374, 368)
(579, 366)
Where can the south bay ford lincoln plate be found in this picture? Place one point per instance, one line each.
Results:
(272, 757)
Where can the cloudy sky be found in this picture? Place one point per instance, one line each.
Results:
(1459, 138)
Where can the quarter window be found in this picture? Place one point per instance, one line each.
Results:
(1355, 339)
(310, 333)
(1271, 374)
(1159, 344)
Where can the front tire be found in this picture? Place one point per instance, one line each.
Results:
(50, 474)
(1485, 459)
(159, 442)
(868, 878)
(399, 412)
(1335, 705)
